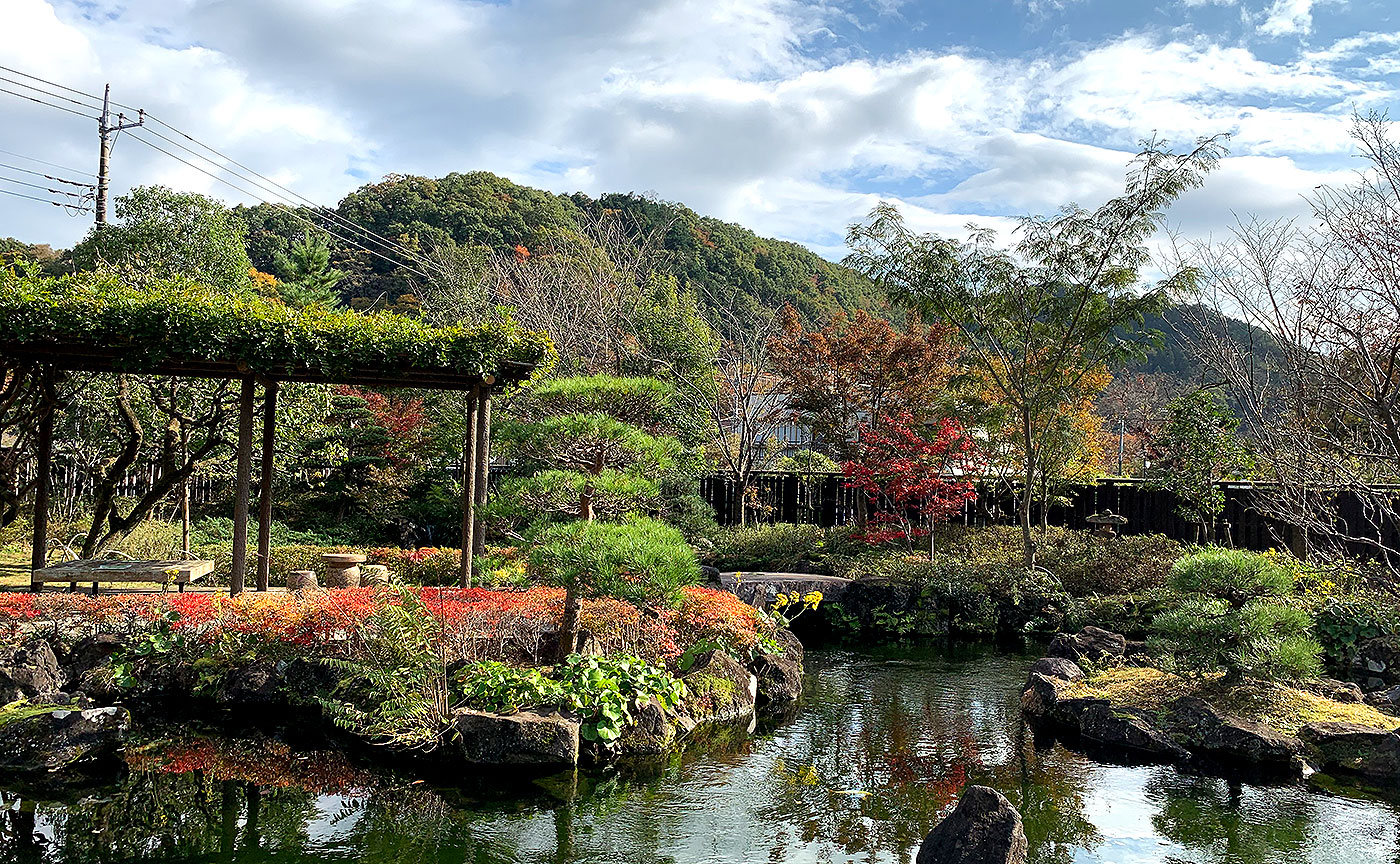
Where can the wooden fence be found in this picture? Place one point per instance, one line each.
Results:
(824, 500)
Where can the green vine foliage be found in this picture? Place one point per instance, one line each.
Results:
(601, 691)
(176, 319)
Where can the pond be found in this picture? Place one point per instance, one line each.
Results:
(883, 742)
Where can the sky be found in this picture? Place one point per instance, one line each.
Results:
(791, 118)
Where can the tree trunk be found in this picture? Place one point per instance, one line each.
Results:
(568, 628)
(1027, 489)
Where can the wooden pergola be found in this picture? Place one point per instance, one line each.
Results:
(53, 355)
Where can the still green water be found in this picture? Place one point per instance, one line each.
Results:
(883, 742)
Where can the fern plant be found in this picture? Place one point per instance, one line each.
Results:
(394, 685)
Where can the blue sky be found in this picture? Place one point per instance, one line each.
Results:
(792, 118)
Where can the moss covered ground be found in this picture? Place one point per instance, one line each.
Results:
(1278, 706)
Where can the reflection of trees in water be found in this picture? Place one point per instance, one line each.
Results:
(1229, 822)
(914, 742)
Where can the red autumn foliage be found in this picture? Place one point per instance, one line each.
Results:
(906, 473)
(476, 623)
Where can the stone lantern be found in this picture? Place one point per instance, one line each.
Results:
(1106, 523)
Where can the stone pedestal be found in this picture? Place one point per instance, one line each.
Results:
(302, 580)
(343, 569)
(374, 575)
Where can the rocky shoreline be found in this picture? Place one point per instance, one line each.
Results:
(1184, 727)
(67, 718)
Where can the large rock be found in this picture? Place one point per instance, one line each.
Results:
(779, 672)
(1092, 644)
(720, 689)
(515, 739)
(92, 652)
(1378, 658)
(1387, 700)
(1128, 729)
(651, 733)
(1041, 695)
(1358, 749)
(1331, 688)
(983, 829)
(1201, 727)
(59, 740)
(29, 671)
(1058, 667)
(255, 683)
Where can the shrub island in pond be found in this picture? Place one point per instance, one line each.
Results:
(472, 676)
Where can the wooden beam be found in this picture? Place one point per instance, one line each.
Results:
(483, 463)
(44, 452)
(269, 444)
(240, 501)
(468, 492)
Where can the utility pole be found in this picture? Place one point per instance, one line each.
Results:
(1122, 428)
(105, 129)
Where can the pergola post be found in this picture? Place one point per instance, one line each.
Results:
(240, 501)
(468, 492)
(44, 453)
(483, 461)
(269, 443)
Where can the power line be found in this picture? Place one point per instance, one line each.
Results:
(45, 188)
(286, 194)
(71, 207)
(46, 176)
(55, 84)
(48, 104)
(289, 211)
(50, 164)
(267, 185)
(47, 93)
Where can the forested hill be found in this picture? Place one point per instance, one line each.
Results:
(1181, 328)
(716, 259)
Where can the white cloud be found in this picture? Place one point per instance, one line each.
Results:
(732, 106)
(1287, 17)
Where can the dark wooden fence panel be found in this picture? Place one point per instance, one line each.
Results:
(824, 500)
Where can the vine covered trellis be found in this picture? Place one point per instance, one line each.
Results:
(176, 327)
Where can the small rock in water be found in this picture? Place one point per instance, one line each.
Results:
(984, 829)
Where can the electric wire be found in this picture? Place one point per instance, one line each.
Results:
(66, 206)
(288, 210)
(47, 176)
(50, 164)
(48, 104)
(276, 189)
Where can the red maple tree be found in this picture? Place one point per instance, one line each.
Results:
(908, 475)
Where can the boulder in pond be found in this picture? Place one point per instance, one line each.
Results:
(720, 689)
(1378, 658)
(526, 738)
(1058, 667)
(29, 671)
(1387, 700)
(651, 733)
(1361, 750)
(61, 739)
(983, 829)
(1130, 729)
(1093, 644)
(779, 672)
(1232, 740)
(1041, 695)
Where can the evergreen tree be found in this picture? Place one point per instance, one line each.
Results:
(1196, 450)
(308, 279)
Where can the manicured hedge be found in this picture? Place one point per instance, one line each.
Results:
(172, 319)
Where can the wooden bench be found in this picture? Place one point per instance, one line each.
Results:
(181, 573)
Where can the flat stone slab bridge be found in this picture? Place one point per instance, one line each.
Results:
(760, 589)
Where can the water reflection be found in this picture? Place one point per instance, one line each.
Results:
(884, 743)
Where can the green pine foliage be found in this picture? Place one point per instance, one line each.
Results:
(641, 560)
(1236, 615)
(307, 277)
